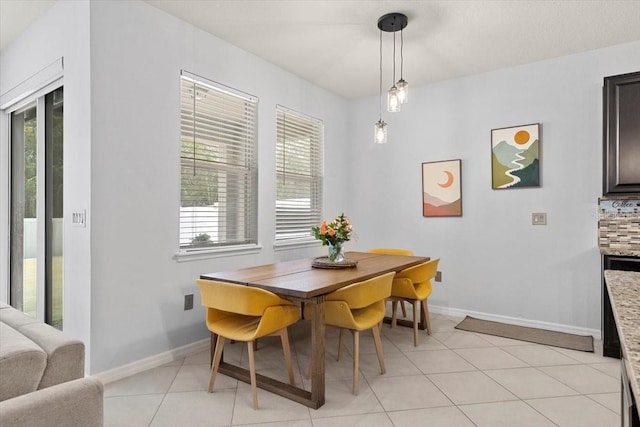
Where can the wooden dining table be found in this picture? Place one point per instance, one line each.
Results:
(298, 281)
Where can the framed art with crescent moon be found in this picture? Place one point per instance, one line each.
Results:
(515, 157)
(442, 188)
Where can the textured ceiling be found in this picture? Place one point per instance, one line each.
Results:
(335, 43)
(16, 15)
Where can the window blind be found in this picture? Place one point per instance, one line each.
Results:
(219, 171)
(299, 174)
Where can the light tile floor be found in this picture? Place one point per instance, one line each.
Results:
(453, 378)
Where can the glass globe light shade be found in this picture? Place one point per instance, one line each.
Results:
(380, 132)
(393, 102)
(403, 91)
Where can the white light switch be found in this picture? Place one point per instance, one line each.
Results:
(539, 218)
(79, 218)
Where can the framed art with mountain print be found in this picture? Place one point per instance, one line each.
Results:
(441, 188)
(515, 157)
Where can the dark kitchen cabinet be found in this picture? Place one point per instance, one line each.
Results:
(621, 134)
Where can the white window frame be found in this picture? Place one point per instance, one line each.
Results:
(222, 124)
(298, 136)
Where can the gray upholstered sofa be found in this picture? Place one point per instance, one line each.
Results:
(42, 379)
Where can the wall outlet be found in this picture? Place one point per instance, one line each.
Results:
(539, 218)
(188, 302)
(438, 276)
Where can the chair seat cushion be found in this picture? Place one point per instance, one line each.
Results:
(404, 288)
(423, 290)
(337, 313)
(240, 327)
(236, 326)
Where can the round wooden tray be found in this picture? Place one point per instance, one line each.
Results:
(323, 262)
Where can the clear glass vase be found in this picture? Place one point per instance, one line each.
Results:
(336, 251)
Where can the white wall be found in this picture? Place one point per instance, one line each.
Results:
(62, 32)
(492, 259)
(137, 53)
(124, 296)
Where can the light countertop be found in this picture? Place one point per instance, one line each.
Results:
(624, 292)
(620, 252)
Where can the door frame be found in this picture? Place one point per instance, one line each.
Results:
(17, 104)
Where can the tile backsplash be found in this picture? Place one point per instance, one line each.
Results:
(619, 225)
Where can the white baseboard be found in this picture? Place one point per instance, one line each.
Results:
(152, 361)
(203, 345)
(595, 333)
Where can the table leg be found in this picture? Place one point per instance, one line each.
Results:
(317, 350)
(314, 399)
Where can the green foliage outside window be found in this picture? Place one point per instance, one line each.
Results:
(199, 182)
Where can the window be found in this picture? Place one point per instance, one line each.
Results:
(299, 171)
(218, 200)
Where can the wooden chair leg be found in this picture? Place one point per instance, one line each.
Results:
(415, 323)
(425, 311)
(404, 310)
(252, 372)
(378, 342)
(394, 313)
(340, 344)
(284, 337)
(212, 347)
(356, 358)
(216, 361)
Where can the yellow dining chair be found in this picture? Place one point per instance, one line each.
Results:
(393, 251)
(414, 285)
(243, 313)
(358, 307)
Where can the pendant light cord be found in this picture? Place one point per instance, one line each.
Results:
(401, 55)
(394, 58)
(380, 97)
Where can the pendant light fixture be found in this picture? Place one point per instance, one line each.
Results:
(398, 94)
(392, 23)
(380, 128)
(402, 85)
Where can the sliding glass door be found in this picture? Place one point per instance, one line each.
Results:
(36, 285)
(24, 226)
